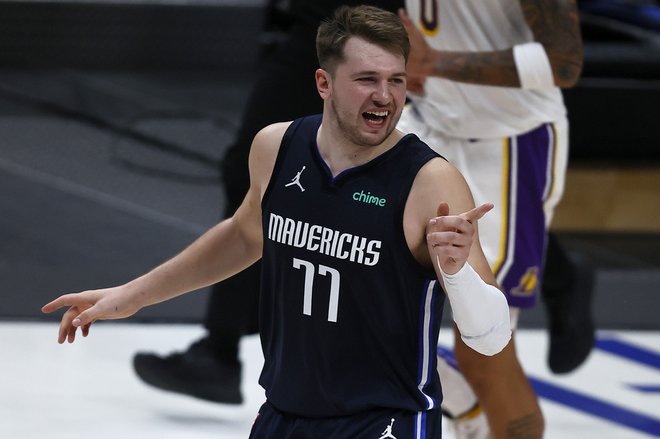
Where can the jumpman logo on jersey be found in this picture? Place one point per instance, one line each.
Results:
(296, 180)
(388, 431)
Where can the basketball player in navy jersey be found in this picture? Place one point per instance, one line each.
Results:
(284, 89)
(351, 254)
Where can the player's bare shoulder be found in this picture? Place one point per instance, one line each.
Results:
(268, 139)
(437, 170)
(263, 153)
(438, 180)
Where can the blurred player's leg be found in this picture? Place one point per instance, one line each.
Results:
(462, 410)
(503, 391)
(210, 368)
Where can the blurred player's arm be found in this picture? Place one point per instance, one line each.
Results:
(556, 28)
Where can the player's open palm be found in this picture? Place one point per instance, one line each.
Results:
(450, 237)
(87, 307)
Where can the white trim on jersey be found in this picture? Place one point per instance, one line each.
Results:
(550, 170)
(509, 213)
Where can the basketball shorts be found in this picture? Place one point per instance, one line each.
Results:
(374, 424)
(523, 176)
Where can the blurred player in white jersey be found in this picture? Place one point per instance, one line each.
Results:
(485, 81)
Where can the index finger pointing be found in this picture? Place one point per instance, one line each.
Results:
(65, 300)
(479, 211)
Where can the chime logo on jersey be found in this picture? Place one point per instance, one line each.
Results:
(528, 284)
(369, 199)
(323, 240)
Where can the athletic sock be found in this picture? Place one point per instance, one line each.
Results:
(457, 395)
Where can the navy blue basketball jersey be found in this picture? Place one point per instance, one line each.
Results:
(349, 319)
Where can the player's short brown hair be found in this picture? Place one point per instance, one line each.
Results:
(370, 23)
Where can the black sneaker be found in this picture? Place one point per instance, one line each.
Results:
(570, 317)
(195, 372)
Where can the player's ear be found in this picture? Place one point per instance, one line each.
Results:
(323, 83)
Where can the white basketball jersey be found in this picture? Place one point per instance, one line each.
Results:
(478, 111)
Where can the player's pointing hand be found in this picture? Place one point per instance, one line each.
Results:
(449, 237)
(87, 307)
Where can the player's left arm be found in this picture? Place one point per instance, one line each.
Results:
(556, 29)
(440, 222)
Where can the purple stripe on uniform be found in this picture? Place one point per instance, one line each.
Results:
(421, 433)
(426, 340)
(433, 341)
(534, 153)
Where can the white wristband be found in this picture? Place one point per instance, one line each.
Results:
(533, 65)
(480, 311)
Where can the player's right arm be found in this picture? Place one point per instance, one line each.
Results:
(224, 250)
(440, 222)
(555, 25)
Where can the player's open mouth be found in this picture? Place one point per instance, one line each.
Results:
(375, 118)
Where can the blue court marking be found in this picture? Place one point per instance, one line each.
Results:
(628, 351)
(596, 407)
(588, 404)
(448, 355)
(645, 388)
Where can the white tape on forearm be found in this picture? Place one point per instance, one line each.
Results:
(533, 65)
(480, 311)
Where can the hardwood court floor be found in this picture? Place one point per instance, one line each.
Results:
(89, 388)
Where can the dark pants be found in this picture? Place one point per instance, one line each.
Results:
(285, 89)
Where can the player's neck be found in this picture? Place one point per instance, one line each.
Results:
(340, 154)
